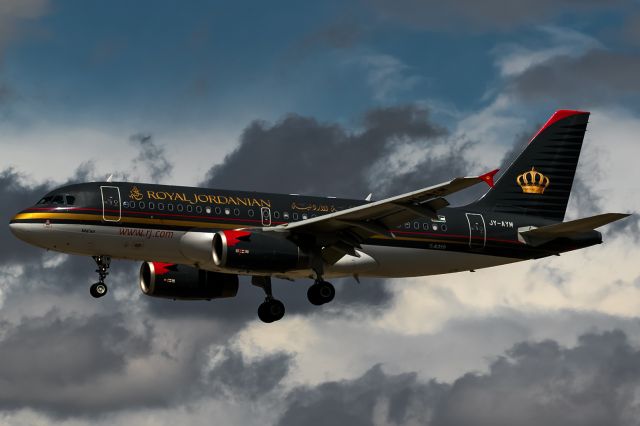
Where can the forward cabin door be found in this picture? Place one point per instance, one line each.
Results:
(111, 207)
(477, 231)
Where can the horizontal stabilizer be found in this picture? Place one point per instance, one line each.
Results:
(537, 236)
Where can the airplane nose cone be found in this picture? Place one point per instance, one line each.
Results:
(19, 229)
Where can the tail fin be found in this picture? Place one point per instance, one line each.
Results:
(538, 182)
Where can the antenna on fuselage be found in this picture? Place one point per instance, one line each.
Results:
(369, 197)
(110, 177)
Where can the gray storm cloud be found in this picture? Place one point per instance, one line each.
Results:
(593, 383)
(151, 157)
(301, 155)
(595, 78)
(491, 15)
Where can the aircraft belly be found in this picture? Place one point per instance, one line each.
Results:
(117, 242)
(411, 262)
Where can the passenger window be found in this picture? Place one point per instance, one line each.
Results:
(236, 212)
(207, 209)
(425, 226)
(189, 208)
(170, 207)
(251, 212)
(198, 209)
(227, 210)
(180, 207)
(151, 205)
(218, 210)
(160, 206)
(443, 227)
(276, 215)
(295, 216)
(416, 225)
(141, 205)
(304, 216)
(407, 225)
(285, 215)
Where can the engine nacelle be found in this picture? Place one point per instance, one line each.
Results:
(171, 281)
(256, 250)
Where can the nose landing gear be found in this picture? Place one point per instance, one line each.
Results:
(99, 289)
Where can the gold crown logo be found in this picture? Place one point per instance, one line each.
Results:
(135, 194)
(533, 182)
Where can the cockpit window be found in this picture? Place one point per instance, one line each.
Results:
(59, 200)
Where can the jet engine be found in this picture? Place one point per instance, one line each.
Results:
(257, 251)
(171, 281)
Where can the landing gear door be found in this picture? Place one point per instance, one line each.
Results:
(111, 207)
(266, 216)
(477, 231)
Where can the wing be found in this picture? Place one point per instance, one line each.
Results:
(341, 232)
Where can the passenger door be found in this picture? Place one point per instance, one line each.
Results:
(111, 207)
(477, 231)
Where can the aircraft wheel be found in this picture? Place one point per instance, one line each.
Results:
(271, 311)
(321, 292)
(98, 290)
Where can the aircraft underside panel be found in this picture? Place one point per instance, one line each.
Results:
(191, 248)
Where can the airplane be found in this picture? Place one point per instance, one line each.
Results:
(195, 242)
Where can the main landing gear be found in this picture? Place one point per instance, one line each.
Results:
(99, 289)
(271, 309)
(321, 292)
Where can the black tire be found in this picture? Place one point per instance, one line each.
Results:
(276, 310)
(98, 290)
(270, 311)
(321, 293)
(263, 313)
(326, 291)
(313, 295)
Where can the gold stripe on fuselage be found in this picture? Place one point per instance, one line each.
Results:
(125, 220)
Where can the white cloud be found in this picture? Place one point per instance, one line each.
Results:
(514, 59)
(386, 75)
(45, 152)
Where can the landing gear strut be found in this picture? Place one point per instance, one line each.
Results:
(271, 309)
(321, 291)
(99, 289)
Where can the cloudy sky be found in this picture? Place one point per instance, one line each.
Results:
(337, 98)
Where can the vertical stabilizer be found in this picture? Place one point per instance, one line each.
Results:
(538, 182)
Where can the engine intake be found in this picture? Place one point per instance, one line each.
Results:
(257, 251)
(171, 281)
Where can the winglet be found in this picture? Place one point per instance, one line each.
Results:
(488, 177)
